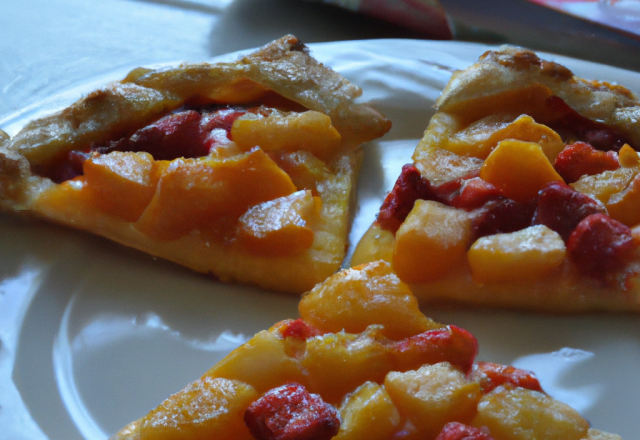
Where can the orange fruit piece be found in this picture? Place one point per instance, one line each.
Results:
(432, 240)
(390, 303)
(521, 256)
(310, 131)
(432, 396)
(522, 414)
(279, 227)
(207, 408)
(368, 414)
(481, 137)
(195, 193)
(519, 169)
(121, 183)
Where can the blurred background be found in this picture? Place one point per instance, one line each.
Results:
(51, 45)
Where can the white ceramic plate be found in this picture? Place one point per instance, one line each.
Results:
(93, 335)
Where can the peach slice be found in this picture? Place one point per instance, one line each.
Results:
(279, 227)
(432, 240)
(624, 206)
(375, 295)
(206, 408)
(305, 169)
(524, 255)
(262, 362)
(519, 169)
(311, 131)
(368, 414)
(121, 183)
(195, 193)
(376, 244)
(337, 363)
(602, 186)
(433, 396)
(522, 414)
(481, 137)
(628, 157)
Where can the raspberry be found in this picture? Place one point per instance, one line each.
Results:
(561, 208)
(492, 375)
(290, 412)
(409, 187)
(460, 431)
(451, 344)
(600, 244)
(502, 215)
(579, 159)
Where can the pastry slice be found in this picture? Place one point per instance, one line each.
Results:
(524, 193)
(361, 362)
(244, 170)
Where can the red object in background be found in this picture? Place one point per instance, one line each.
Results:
(620, 15)
(426, 16)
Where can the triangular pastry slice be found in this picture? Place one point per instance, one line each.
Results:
(361, 362)
(523, 193)
(243, 169)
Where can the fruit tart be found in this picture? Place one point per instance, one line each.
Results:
(244, 169)
(361, 362)
(524, 193)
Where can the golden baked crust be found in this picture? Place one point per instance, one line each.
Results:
(362, 362)
(280, 74)
(513, 68)
(504, 125)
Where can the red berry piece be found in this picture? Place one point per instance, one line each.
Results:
(579, 159)
(290, 412)
(491, 375)
(561, 208)
(502, 215)
(446, 191)
(474, 193)
(297, 329)
(223, 118)
(460, 431)
(176, 135)
(409, 187)
(600, 244)
(451, 344)
(70, 167)
(217, 126)
(568, 122)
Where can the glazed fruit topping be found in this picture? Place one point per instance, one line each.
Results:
(580, 158)
(474, 193)
(297, 329)
(185, 134)
(71, 167)
(409, 187)
(188, 134)
(290, 412)
(569, 123)
(502, 215)
(468, 192)
(175, 135)
(451, 344)
(600, 244)
(491, 375)
(460, 431)
(561, 208)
